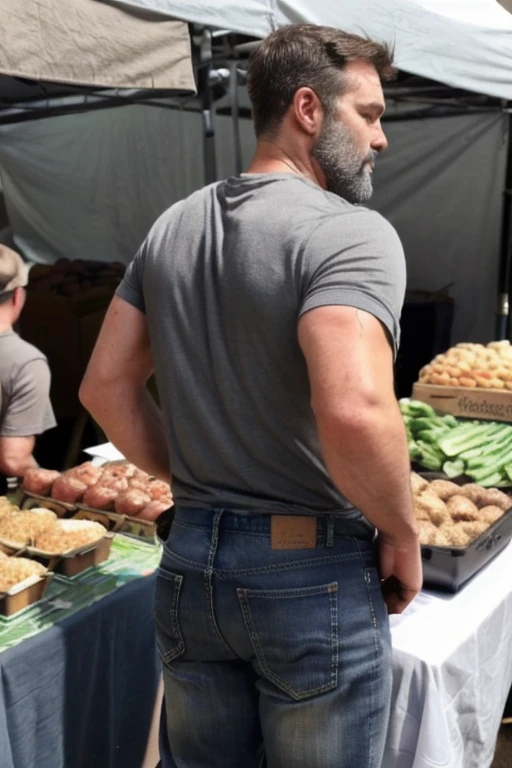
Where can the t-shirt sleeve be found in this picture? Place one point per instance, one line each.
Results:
(131, 286)
(29, 411)
(356, 259)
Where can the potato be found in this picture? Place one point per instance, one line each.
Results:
(490, 514)
(462, 508)
(444, 488)
(427, 531)
(441, 537)
(474, 492)
(431, 504)
(474, 529)
(418, 483)
(455, 536)
(496, 498)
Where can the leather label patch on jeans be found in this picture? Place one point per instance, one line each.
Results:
(292, 532)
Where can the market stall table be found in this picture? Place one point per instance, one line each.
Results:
(452, 671)
(80, 693)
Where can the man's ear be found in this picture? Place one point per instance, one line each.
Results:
(308, 111)
(18, 298)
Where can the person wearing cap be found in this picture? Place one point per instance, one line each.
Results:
(25, 407)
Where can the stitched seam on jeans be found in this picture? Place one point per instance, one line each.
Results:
(374, 669)
(169, 656)
(273, 594)
(334, 637)
(208, 586)
(223, 573)
(227, 529)
(291, 566)
(367, 579)
(278, 682)
(183, 560)
(192, 525)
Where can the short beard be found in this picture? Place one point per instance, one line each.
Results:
(340, 160)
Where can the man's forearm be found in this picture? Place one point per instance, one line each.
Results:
(367, 458)
(16, 455)
(138, 433)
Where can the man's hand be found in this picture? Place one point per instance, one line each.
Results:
(401, 572)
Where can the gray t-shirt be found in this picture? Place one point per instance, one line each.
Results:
(25, 408)
(223, 278)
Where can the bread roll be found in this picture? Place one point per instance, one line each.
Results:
(131, 502)
(100, 497)
(153, 510)
(157, 489)
(39, 481)
(68, 489)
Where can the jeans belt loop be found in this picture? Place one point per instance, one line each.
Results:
(329, 531)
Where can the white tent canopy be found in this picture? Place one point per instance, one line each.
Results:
(86, 43)
(462, 43)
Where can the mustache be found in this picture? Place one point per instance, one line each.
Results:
(371, 157)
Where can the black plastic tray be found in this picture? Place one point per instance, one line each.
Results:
(448, 568)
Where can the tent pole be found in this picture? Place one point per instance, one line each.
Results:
(205, 94)
(235, 117)
(505, 286)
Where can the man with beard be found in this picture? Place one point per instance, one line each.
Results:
(269, 306)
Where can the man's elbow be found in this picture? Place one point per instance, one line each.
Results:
(355, 417)
(91, 393)
(86, 394)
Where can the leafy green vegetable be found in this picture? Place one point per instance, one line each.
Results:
(453, 468)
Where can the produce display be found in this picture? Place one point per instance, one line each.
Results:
(480, 450)
(19, 529)
(66, 535)
(14, 570)
(73, 278)
(122, 488)
(454, 515)
(39, 528)
(472, 365)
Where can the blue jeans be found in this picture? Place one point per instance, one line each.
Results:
(289, 649)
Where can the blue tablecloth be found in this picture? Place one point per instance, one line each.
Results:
(81, 694)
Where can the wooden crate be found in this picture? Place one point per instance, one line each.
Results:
(469, 403)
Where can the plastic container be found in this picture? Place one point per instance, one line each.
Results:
(448, 568)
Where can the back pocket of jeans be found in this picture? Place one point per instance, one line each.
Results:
(169, 639)
(294, 634)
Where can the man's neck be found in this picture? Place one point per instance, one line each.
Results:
(272, 157)
(5, 325)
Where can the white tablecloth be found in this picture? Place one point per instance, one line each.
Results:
(452, 673)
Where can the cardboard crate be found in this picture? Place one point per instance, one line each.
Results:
(24, 594)
(65, 330)
(466, 402)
